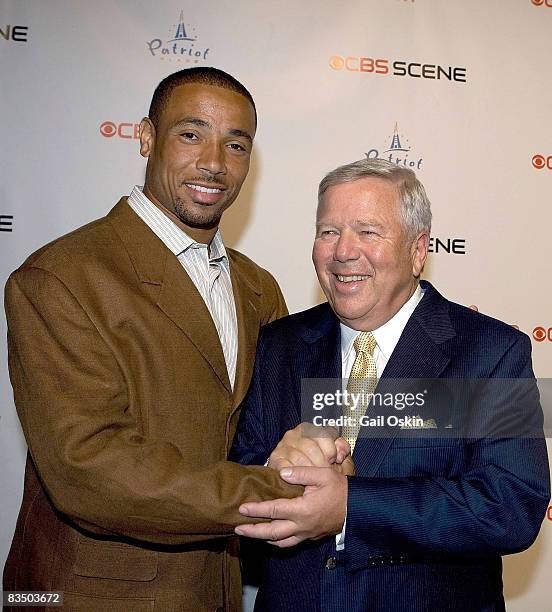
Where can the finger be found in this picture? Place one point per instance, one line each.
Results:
(328, 448)
(287, 543)
(272, 532)
(343, 449)
(311, 448)
(309, 430)
(297, 456)
(293, 454)
(279, 463)
(348, 466)
(272, 509)
(316, 476)
(292, 435)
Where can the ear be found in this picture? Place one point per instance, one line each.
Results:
(147, 137)
(419, 253)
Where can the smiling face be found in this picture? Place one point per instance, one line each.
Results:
(198, 156)
(367, 265)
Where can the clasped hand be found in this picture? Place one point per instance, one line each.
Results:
(321, 461)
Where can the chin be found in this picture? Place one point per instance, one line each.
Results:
(351, 310)
(199, 220)
(348, 315)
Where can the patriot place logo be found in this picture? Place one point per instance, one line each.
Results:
(180, 45)
(398, 151)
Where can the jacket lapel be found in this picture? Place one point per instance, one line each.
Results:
(182, 303)
(246, 297)
(319, 354)
(177, 296)
(416, 356)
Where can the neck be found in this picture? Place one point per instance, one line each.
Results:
(202, 235)
(376, 320)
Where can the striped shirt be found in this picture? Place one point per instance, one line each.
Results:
(208, 267)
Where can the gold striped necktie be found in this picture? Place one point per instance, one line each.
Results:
(362, 382)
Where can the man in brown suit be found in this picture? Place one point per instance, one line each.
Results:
(127, 380)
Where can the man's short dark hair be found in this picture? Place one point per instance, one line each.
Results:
(205, 75)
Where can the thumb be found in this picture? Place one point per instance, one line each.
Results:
(343, 449)
(304, 475)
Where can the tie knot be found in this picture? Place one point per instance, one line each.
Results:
(365, 343)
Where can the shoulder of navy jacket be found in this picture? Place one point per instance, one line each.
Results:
(317, 322)
(309, 325)
(432, 313)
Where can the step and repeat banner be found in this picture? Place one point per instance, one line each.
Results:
(459, 91)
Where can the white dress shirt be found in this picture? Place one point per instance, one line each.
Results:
(386, 337)
(208, 267)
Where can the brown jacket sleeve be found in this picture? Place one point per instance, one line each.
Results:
(96, 460)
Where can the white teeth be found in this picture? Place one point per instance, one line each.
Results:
(350, 279)
(202, 189)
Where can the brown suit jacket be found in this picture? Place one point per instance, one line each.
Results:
(122, 391)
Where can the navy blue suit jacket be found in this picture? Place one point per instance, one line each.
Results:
(427, 518)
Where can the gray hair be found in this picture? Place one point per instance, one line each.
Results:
(415, 205)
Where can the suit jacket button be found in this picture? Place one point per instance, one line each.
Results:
(331, 563)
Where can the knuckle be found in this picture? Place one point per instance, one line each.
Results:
(329, 450)
(298, 458)
(309, 447)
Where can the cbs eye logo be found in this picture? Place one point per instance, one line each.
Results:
(540, 334)
(108, 129)
(547, 3)
(127, 131)
(540, 161)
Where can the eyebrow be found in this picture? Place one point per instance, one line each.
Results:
(202, 123)
(361, 223)
(242, 134)
(357, 223)
(193, 120)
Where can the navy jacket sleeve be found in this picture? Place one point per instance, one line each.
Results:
(250, 444)
(271, 406)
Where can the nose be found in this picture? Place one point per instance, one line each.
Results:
(211, 158)
(346, 248)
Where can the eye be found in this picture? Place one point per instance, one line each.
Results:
(236, 146)
(189, 135)
(327, 232)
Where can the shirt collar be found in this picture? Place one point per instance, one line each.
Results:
(176, 239)
(387, 336)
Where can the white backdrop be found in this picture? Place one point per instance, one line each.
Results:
(333, 80)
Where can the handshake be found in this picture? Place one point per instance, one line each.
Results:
(309, 445)
(318, 459)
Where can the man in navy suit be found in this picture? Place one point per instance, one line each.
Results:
(423, 523)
